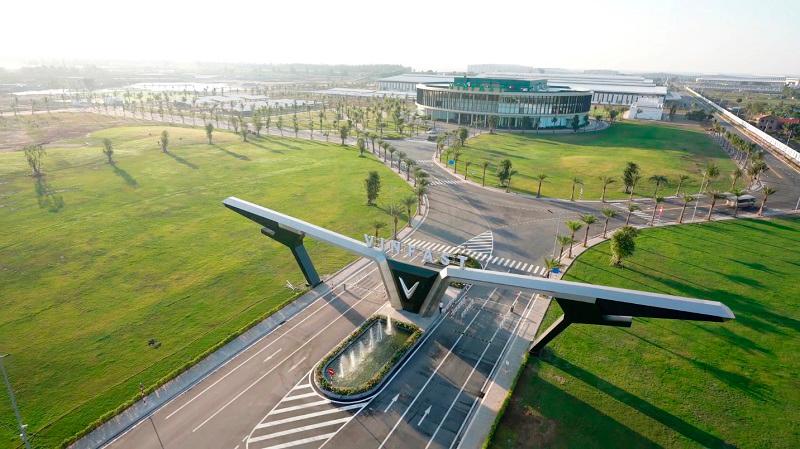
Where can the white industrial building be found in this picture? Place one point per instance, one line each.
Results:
(646, 109)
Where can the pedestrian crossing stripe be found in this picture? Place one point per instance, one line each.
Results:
(440, 182)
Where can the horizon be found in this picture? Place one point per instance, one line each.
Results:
(623, 35)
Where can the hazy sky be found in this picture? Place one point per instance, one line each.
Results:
(673, 35)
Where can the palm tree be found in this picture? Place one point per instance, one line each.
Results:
(573, 226)
(756, 168)
(711, 171)
(606, 181)
(409, 203)
(737, 193)
(681, 180)
(395, 211)
(657, 180)
(391, 154)
(456, 154)
(686, 200)
(575, 181)
(540, 177)
(589, 220)
(563, 242)
(635, 178)
(505, 172)
(608, 213)
(550, 265)
(714, 195)
(466, 169)
(735, 175)
(421, 190)
(631, 209)
(484, 166)
(767, 192)
(378, 225)
(658, 200)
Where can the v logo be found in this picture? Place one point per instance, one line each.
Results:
(408, 291)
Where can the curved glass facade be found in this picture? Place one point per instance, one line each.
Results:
(517, 110)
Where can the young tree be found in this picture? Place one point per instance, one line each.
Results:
(575, 181)
(575, 123)
(736, 193)
(658, 180)
(209, 132)
(623, 244)
(408, 203)
(421, 190)
(631, 170)
(492, 123)
(484, 166)
(463, 133)
(395, 211)
(713, 196)
(606, 181)
(164, 141)
(35, 154)
(608, 213)
(612, 115)
(589, 220)
(767, 191)
(311, 128)
(295, 125)
(681, 181)
(635, 181)
(564, 241)
(550, 265)
(258, 124)
(344, 131)
(505, 172)
(657, 200)
(631, 209)
(735, 175)
(573, 226)
(243, 131)
(710, 172)
(108, 150)
(540, 178)
(279, 124)
(686, 200)
(360, 144)
(373, 187)
(378, 225)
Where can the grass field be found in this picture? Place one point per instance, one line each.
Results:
(95, 260)
(663, 149)
(676, 384)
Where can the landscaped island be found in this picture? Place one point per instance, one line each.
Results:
(363, 360)
(675, 384)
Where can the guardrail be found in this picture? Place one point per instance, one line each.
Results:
(761, 137)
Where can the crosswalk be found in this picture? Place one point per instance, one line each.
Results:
(480, 248)
(644, 215)
(304, 418)
(440, 182)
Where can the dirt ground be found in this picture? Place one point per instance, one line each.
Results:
(17, 132)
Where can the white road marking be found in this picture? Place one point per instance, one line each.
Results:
(298, 407)
(391, 403)
(298, 363)
(298, 387)
(299, 442)
(273, 354)
(299, 396)
(298, 429)
(238, 395)
(309, 415)
(524, 267)
(436, 370)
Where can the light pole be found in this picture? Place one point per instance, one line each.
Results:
(22, 433)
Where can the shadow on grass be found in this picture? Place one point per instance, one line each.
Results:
(181, 160)
(542, 415)
(664, 417)
(239, 156)
(45, 196)
(124, 175)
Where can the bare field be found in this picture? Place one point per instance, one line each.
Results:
(27, 129)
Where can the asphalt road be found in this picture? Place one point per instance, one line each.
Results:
(262, 398)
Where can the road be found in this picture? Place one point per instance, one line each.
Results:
(262, 399)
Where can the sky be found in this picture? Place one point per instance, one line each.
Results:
(707, 36)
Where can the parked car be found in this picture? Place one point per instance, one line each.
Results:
(744, 201)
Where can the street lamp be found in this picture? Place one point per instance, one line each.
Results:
(22, 432)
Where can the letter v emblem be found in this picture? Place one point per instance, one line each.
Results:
(408, 291)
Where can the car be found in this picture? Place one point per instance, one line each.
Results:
(743, 201)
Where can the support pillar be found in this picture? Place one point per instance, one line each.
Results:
(552, 332)
(294, 241)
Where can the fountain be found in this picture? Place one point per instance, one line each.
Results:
(365, 357)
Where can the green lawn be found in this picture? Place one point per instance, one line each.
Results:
(96, 260)
(676, 384)
(663, 149)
